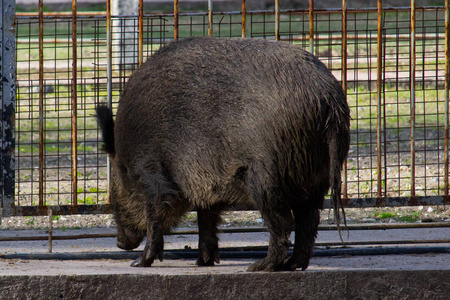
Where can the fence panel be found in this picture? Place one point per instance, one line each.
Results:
(54, 133)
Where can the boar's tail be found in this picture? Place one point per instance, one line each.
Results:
(335, 181)
(106, 123)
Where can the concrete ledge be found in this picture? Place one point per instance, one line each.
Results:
(286, 285)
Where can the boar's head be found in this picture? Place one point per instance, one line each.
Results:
(129, 234)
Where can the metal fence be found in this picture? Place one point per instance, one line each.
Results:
(392, 62)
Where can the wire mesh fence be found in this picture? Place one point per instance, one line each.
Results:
(399, 104)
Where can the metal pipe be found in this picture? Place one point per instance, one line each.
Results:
(141, 30)
(210, 18)
(41, 104)
(175, 19)
(413, 97)
(108, 81)
(244, 18)
(74, 105)
(344, 80)
(311, 26)
(379, 92)
(234, 253)
(447, 98)
(277, 20)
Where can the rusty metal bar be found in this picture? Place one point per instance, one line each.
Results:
(41, 103)
(74, 106)
(447, 98)
(344, 80)
(175, 20)
(68, 15)
(50, 230)
(379, 92)
(141, 30)
(244, 18)
(210, 18)
(277, 20)
(335, 37)
(311, 26)
(413, 96)
(348, 203)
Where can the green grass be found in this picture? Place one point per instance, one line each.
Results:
(410, 218)
(385, 215)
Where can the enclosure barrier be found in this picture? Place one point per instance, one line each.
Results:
(393, 64)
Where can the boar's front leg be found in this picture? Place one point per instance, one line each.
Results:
(208, 245)
(154, 245)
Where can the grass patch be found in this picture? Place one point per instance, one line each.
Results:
(385, 215)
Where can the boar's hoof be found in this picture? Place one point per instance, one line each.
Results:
(128, 245)
(293, 263)
(140, 262)
(208, 261)
(290, 264)
(208, 255)
(266, 265)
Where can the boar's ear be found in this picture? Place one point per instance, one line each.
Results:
(106, 123)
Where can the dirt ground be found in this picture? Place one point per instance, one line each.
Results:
(420, 214)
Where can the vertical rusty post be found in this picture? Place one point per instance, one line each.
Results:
(74, 105)
(344, 79)
(50, 231)
(141, 31)
(244, 17)
(413, 96)
(379, 92)
(210, 18)
(175, 20)
(108, 78)
(41, 103)
(277, 20)
(447, 99)
(311, 26)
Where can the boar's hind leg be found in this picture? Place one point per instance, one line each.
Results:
(307, 220)
(208, 242)
(278, 219)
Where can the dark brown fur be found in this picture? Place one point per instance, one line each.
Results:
(212, 122)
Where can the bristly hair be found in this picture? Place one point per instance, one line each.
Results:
(106, 123)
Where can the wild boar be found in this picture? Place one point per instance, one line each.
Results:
(209, 123)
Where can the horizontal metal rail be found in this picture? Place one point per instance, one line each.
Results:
(317, 36)
(348, 203)
(282, 11)
(232, 253)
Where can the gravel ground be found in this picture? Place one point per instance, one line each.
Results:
(245, 218)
